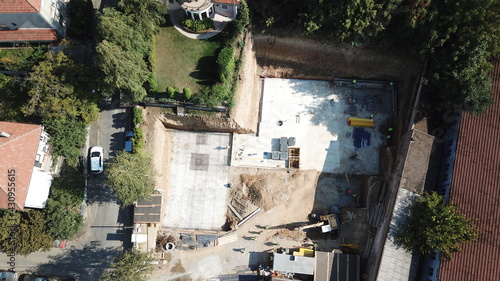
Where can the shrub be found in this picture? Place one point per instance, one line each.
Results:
(149, 99)
(138, 142)
(225, 63)
(137, 116)
(187, 93)
(166, 100)
(171, 92)
(197, 25)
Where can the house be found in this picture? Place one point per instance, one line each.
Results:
(25, 166)
(31, 20)
(475, 191)
(202, 9)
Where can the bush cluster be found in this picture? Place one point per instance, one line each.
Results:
(197, 25)
(137, 116)
(138, 142)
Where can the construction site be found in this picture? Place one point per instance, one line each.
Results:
(266, 205)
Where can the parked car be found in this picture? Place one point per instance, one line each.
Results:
(96, 160)
(8, 276)
(30, 277)
(128, 141)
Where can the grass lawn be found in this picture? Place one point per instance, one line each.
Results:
(183, 62)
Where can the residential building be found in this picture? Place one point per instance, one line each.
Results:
(475, 191)
(32, 20)
(25, 166)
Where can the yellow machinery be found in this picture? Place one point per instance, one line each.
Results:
(360, 122)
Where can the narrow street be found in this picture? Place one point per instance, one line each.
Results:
(103, 235)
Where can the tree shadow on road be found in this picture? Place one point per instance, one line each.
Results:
(88, 263)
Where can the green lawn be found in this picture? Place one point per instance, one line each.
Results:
(183, 62)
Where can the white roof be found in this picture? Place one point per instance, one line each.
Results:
(39, 189)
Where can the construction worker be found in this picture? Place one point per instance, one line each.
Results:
(267, 226)
(315, 246)
(354, 81)
(390, 129)
(253, 238)
(259, 232)
(243, 250)
(278, 244)
(372, 116)
(388, 136)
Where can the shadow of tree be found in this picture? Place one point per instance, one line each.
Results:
(401, 217)
(88, 263)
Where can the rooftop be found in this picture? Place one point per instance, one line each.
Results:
(18, 160)
(20, 6)
(476, 193)
(28, 35)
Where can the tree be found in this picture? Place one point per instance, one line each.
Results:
(31, 236)
(131, 176)
(435, 225)
(130, 266)
(123, 70)
(66, 137)
(59, 88)
(148, 14)
(63, 210)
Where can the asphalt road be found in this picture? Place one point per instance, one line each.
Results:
(106, 231)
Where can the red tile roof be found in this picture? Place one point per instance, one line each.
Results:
(231, 2)
(476, 192)
(28, 35)
(20, 6)
(18, 154)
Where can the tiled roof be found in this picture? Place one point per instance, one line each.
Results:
(476, 192)
(28, 35)
(231, 2)
(20, 6)
(18, 152)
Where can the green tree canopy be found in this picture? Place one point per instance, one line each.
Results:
(435, 225)
(59, 88)
(131, 176)
(130, 266)
(148, 14)
(123, 71)
(66, 137)
(62, 212)
(31, 236)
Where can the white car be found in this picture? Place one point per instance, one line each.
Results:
(96, 160)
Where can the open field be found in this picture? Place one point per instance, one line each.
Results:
(183, 62)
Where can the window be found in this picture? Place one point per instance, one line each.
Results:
(224, 7)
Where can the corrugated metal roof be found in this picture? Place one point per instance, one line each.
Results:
(28, 35)
(476, 192)
(19, 6)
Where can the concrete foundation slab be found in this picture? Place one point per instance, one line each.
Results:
(313, 116)
(198, 181)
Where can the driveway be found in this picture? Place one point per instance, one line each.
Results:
(103, 235)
